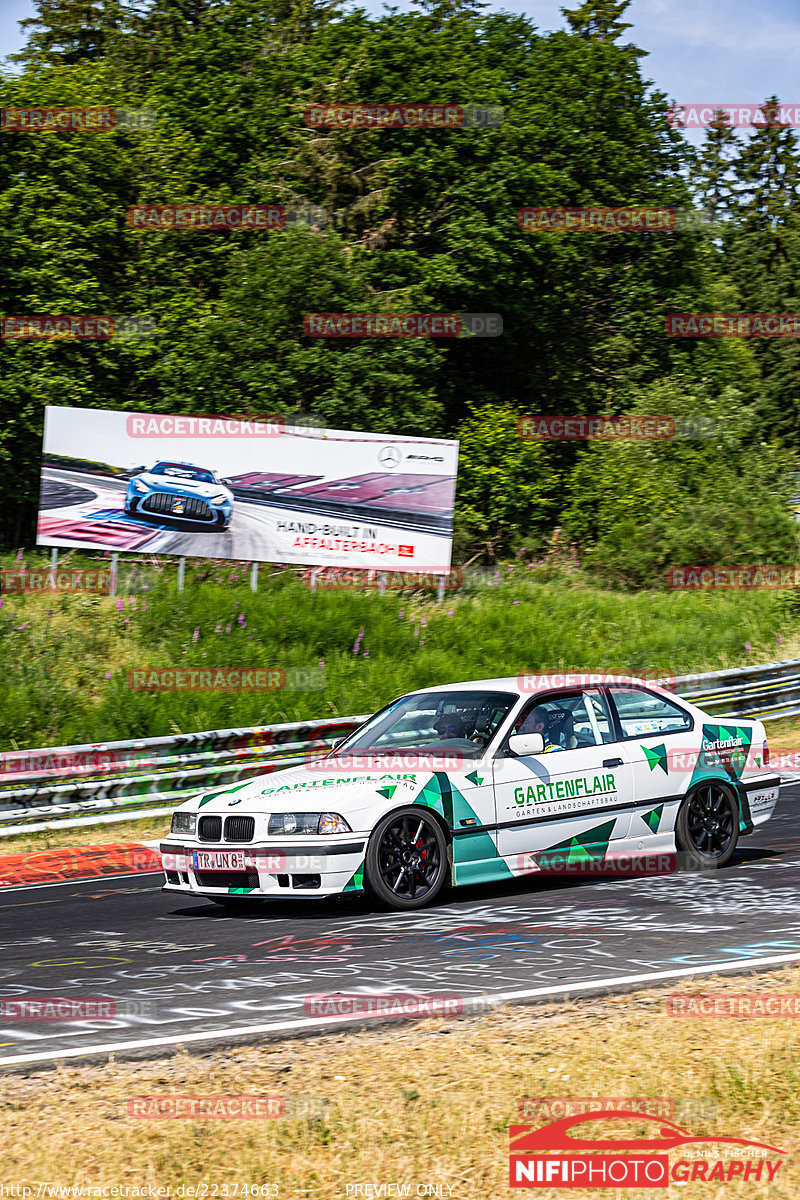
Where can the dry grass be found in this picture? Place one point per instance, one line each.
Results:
(420, 1104)
(784, 735)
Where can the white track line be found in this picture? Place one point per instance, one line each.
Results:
(292, 1027)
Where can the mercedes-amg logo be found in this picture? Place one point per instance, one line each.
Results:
(389, 457)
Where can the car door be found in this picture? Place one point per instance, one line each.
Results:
(663, 745)
(575, 798)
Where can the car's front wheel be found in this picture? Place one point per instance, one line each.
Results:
(707, 828)
(406, 864)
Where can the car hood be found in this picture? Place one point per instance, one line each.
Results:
(313, 787)
(168, 483)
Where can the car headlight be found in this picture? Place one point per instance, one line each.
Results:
(183, 822)
(220, 499)
(291, 823)
(141, 487)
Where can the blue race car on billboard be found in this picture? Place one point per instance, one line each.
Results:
(182, 492)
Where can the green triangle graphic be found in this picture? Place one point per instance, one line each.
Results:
(356, 884)
(475, 778)
(656, 757)
(589, 845)
(653, 818)
(223, 792)
(388, 791)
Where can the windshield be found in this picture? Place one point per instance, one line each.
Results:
(180, 471)
(432, 722)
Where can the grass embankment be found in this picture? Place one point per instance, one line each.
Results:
(424, 1104)
(66, 658)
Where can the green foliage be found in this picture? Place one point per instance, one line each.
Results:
(505, 483)
(639, 507)
(415, 220)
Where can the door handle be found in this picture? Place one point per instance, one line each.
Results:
(613, 762)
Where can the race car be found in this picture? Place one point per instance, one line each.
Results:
(180, 491)
(480, 782)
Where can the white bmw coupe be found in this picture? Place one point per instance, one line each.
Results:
(485, 781)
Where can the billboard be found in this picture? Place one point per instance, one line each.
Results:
(252, 489)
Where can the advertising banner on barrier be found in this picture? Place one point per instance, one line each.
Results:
(247, 488)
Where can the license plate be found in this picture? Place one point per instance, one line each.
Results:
(765, 799)
(218, 860)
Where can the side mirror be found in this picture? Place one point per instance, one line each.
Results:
(339, 742)
(522, 744)
(227, 483)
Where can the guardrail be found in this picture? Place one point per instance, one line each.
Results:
(106, 782)
(768, 691)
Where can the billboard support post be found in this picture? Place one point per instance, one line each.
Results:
(254, 577)
(53, 563)
(313, 583)
(181, 570)
(381, 583)
(114, 561)
(440, 589)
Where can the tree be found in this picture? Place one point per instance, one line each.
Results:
(505, 485)
(713, 177)
(70, 31)
(598, 20)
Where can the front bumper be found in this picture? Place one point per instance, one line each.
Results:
(193, 509)
(326, 868)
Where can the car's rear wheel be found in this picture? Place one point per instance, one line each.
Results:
(406, 864)
(707, 828)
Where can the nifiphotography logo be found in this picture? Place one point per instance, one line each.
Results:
(564, 1154)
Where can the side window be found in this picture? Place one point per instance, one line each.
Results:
(568, 720)
(642, 713)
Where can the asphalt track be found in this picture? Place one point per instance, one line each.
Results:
(190, 972)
